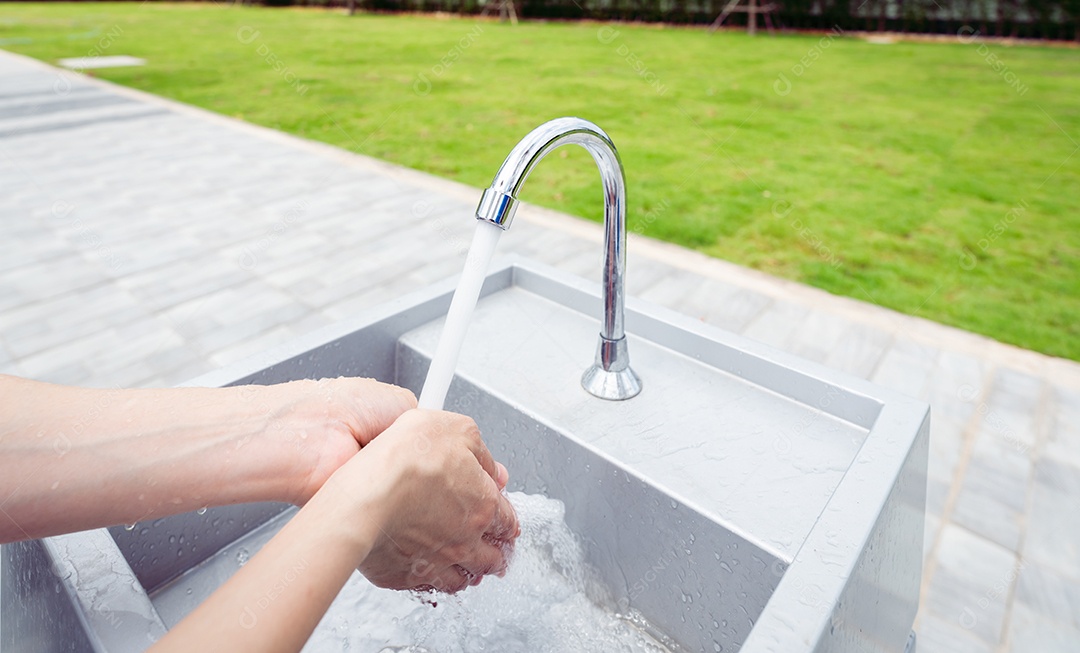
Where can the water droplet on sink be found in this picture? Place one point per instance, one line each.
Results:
(188, 591)
(674, 504)
(201, 511)
(242, 556)
(726, 567)
(130, 527)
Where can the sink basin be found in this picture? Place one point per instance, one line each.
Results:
(746, 500)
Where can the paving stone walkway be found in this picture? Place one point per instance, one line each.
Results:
(143, 242)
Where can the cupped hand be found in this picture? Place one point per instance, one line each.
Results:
(443, 521)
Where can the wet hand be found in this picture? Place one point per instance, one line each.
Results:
(320, 425)
(443, 521)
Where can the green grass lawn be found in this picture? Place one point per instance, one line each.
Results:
(938, 179)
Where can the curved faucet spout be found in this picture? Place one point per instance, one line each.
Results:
(610, 377)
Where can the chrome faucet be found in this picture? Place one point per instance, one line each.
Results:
(610, 376)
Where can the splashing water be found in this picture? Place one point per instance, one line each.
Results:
(441, 372)
(540, 606)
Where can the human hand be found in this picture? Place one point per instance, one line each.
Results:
(323, 424)
(431, 485)
(419, 505)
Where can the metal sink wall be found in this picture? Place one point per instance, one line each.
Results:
(745, 501)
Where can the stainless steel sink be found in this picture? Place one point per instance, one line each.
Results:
(746, 500)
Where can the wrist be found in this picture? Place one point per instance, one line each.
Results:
(298, 436)
(346, 517)
(308, 429)
(318, 426)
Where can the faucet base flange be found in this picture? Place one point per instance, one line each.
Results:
(611, 385)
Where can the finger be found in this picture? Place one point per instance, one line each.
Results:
(407, 397)
(380, 404)
(503, 477)
(397, 398)
(484, 559)
(470, 577)
(483, 456)
(452, 580)
(504, 525)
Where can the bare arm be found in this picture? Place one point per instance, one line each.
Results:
(78, 458)
(419, 506)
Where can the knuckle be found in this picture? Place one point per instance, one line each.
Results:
(489, 510)
(471, 433)
(482, 517)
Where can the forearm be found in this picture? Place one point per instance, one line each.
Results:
(274, 602)
(419, 506)
(77, 458)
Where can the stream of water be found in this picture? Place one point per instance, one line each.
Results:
(441, 372)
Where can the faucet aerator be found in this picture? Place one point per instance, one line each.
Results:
(497, 207)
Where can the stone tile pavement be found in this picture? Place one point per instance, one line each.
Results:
(143, 242)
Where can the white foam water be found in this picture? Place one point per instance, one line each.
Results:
(441, 372)
(542, 605)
